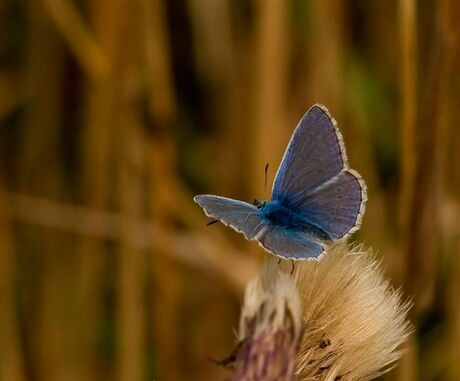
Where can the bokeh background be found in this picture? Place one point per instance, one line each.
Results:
(115, 113)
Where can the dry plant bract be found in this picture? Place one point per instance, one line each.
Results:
(270, 328)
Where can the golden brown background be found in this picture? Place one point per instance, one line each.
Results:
(115, 113)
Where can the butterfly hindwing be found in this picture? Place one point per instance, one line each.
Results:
(292, 245)
(239, 215)
(337, 206)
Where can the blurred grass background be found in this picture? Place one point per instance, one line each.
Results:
(115, 113)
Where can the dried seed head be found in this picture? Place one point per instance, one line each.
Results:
(351, 325)
(354, 322)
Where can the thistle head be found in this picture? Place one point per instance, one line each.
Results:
(336, 319)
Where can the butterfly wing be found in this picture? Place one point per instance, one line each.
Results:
(315, 154)
(291, 245)
(241, 216)
(245, 218)
(314, 179)
(337, 206)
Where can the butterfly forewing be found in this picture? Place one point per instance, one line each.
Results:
(239, 215)
(315, 154)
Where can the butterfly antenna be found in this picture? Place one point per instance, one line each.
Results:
(265, 182)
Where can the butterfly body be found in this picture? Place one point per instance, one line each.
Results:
(273, 212)
(316, 198)
(287, 218)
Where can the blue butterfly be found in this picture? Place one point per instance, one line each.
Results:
(316, 198)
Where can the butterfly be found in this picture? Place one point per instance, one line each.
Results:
(316, 198)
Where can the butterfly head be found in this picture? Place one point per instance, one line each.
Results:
(259, 204)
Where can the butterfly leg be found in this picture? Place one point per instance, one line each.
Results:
(279, 260)
(293, 266)
(212, 222)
